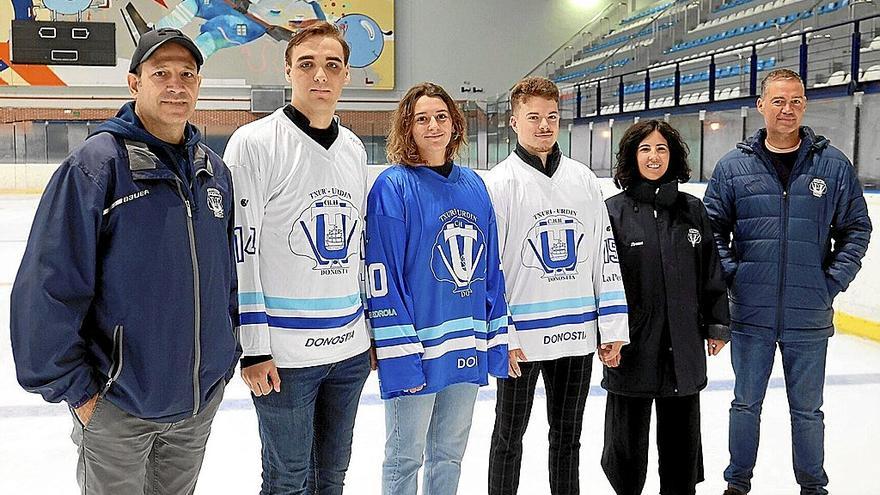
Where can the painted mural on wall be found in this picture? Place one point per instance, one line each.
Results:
(243, 41)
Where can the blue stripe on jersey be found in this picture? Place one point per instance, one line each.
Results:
(497, 323)
(315, 304)
(318, 323)
(543, 307)
(480, 326)
(393, 332)
(612, 296)
(245, 298)
(448, 336)
(435, 332)
(252, 318)
(555, 321)
(397, 341)
(613, 310)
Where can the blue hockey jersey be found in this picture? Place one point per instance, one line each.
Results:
(434, 283)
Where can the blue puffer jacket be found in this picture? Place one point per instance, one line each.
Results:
(127, 287)
(782, 267)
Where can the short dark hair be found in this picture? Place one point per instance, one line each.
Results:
(626, 170)
(320, 28)
(401, 146)
(533, 86)
(779, 75)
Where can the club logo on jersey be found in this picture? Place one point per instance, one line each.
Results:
(552, 246)
(325, 233)
(818, 187)
(215, 202)
(694, 237)
(459, 252)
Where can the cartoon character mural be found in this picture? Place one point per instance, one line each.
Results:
(238, 32)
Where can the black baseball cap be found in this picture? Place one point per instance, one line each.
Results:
(152, 40)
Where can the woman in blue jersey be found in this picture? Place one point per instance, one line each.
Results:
(436, 293)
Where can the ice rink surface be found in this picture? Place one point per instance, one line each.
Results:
(38, 457)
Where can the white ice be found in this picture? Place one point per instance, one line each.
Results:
(37, 455)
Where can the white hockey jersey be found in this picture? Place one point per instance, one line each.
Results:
(299, 213)
(559, 259)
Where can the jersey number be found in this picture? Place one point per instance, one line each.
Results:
(610, 251)
(377, 280)
(245, 246)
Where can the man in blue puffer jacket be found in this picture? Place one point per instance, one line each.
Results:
(125, 303)
(794, 208)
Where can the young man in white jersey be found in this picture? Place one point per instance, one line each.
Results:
(563, 284)
(300, 182)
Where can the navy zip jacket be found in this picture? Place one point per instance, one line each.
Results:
(127, 287)
(794, 246)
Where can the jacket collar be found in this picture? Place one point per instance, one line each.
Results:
(141, 159)
(809, 139)
(660, 194)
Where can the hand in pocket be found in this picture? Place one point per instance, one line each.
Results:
(85, 411)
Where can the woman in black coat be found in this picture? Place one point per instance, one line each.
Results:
(677, 301)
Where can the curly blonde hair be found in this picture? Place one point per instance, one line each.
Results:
(401, 147)
(540, 87)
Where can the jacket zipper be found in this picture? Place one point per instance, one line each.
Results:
(116, 362)
(780, 310)
(783, 248)
(196, 298)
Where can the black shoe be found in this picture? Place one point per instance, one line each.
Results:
(733, 491)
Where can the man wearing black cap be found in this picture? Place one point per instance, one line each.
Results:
(125, 303)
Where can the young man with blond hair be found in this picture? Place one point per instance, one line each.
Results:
(563, 284)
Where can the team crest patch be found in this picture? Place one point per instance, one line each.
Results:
(459, 252)
(215, 202)
(552, 245)
(818, 187)
(694, 237)
(324, 233)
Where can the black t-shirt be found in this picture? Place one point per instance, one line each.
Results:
(553, 159)
(783, 163)
(444, 169)
(324, 137)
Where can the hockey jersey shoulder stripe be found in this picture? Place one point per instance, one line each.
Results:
(543, 323)
(320, 323)
(547, 306)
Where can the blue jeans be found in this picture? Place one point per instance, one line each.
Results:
(803, 364)
(306, 429)
(433, 427)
